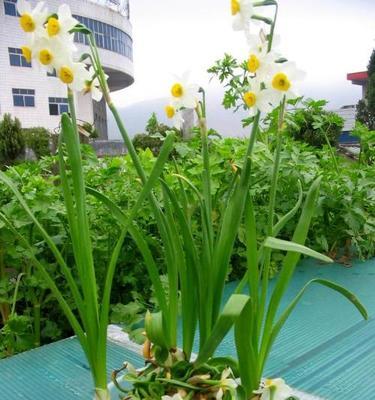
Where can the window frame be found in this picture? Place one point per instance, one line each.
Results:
(59, 104)
(23, 97)
(16, 58)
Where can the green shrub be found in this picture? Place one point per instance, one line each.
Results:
(12, 143)
(38, 139)
(314, 125)
(154, 136)
(367, 142)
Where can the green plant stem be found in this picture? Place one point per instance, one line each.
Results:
(14, 302)
(4, 307)
(272, 32)
(333, 156)
(36, 309)
(271, 217)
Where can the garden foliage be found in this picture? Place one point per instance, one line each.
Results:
(344, 222)
(12, 143)
(38, 139)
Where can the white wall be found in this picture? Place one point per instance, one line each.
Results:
(11, 35)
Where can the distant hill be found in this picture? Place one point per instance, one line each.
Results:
(224, 121)
(136, 116)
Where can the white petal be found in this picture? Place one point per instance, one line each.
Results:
(23, 7)
(39, 8)
(64, 12)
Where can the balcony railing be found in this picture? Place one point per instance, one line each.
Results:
(120, 6)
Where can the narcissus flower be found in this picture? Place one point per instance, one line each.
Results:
(32, 20)
(50, 54)
(242, 11)
(183, 93)
(74, 74)
(275, 389)
(283, 79)
(260, 60)
(226, 384)
(260, 99)
(60, 27)
(174, 114)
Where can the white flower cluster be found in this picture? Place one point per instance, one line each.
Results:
(183, 96)
(270, 80)
(50, 44)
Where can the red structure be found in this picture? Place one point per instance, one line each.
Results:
(359, 78)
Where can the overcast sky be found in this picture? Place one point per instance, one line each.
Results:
(327, 39)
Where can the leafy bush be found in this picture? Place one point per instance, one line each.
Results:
(12, 143)
(154, 136)
(367, 141)
(38, 139)
(313, 125)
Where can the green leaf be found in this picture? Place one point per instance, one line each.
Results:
(154, 329)
(287, 217)
(332, 285)
(244, 330)
(279, 244)
(229, 315)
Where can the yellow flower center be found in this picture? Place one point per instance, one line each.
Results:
(26, 52)
(177, 90)
(250, 99)
(170, 111)
(281, 82)
(45, 57)
(235, 7)
(268, 382)
(66, 75)
(53, 26)
(27, 23)
(253, 63)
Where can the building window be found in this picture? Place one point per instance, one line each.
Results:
(10, 7)
(58, 105)
(16, 58)
(106, 36)
(23, 97)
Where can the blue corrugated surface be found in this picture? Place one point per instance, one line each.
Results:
(58, 371)
(325, 347)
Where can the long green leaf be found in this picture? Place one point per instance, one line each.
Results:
(285, 245)
(87, 276)
(246, 353)
(51, 284)
(230, 223)
(275, 231)
(287, 217)
(187, 259)
(146, 191)
(291, 259)
(227, 318)
(64, 268)
(285, 315)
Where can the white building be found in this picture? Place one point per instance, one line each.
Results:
(26, 92)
